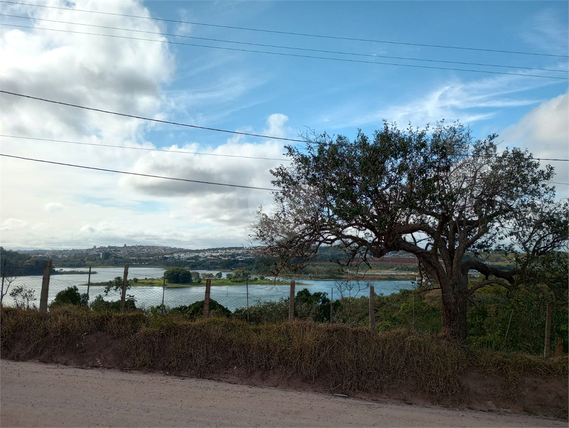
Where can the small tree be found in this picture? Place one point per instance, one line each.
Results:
(6, 284)
(70, 296)
(23, 297)
(178, 275)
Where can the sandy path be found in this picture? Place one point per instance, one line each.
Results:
(35, 394)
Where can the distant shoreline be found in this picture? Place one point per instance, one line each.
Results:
(73, 272)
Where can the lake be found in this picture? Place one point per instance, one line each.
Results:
(232, 297)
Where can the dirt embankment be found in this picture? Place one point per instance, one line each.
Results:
(396, 365)
(529, 395)
(40, 395)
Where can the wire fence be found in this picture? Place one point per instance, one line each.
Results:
(25, 292)
(495, 320)
(145, 288)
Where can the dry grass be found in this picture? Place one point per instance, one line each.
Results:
(341, 358)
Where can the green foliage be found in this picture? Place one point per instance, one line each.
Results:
(17, 264)
(312, 306)
(116, 285)
(23, 297)
(70, 296)
(262, 313)
(101, 305)
(178, 275)
(524, 311)
(195, 310)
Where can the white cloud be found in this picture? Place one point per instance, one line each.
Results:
(276, 125)
(184, 28)
(546, 32)
(207, 203)
(13, 224)
(54, 206)
(467, 101)
(544, 131)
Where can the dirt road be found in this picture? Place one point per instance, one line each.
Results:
(37, 395)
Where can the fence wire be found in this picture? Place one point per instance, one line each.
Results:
(25, 291)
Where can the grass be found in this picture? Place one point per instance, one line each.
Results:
(340, 358)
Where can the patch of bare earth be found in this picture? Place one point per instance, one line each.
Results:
(47, 395)
(528, 395)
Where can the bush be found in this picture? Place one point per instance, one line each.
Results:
(261, 313)
(102, 305)
(178, 275)
(195, 310)
(70, 296)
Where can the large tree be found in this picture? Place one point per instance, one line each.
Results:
(435, 193)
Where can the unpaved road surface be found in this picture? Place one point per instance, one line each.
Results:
(42, 395)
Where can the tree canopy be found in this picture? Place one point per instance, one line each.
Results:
(178, 275)
(435, 193)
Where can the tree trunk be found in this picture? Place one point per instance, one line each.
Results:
(455, 304)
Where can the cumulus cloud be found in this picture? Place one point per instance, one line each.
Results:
(544, 131)
(12, 224)
(236, 162)
(53, 206)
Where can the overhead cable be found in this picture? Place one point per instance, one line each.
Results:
(187, 180)
(285, 47)
(167, 122)
(197, 153)
(187, 152)
(292, 33)
(290, 54)
(161, 177)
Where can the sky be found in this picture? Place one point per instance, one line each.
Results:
(258, 67)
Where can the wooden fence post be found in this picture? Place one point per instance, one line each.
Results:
(163, 292)
(247, 288)
(45, 286)
(372, 307)
(88, 284)
(331, 303)
(548, 316)
(508, 330)
(3, 277)
(291, 301)
(206, 313)
(124, 285)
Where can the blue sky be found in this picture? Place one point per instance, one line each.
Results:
(51, 206)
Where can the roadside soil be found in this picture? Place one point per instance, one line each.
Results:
(46, 395)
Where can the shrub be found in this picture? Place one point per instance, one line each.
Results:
(178, 275)
(70, 296)
(195, 310)
(102, 305)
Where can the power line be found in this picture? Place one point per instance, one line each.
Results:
(201, 153)
(284, 47)
(146, 149)
(291, 33)
(187, 180)
(167, 122)
(290, 54)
